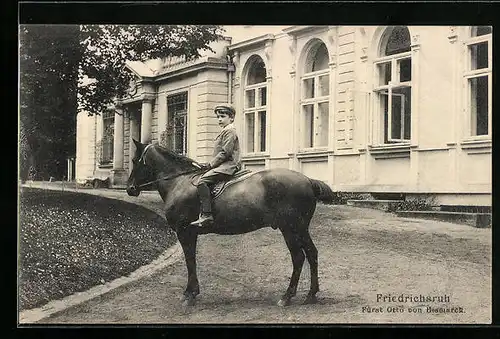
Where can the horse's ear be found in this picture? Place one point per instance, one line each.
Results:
(137, 143)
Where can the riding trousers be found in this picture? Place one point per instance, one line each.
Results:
(212, 177)
(209, 178)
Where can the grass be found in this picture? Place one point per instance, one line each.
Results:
(69, 242)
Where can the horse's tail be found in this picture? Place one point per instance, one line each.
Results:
(322, 191)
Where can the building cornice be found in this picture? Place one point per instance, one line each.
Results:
(190, 67)
(246, 44)
(298, 30)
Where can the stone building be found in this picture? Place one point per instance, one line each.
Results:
(371, 109)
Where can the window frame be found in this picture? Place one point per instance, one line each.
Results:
(393, 83)
(315, 101)
(171, 115)
(470, 74)
(255, 111)
(107, 140)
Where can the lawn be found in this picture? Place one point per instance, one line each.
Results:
(69, 242)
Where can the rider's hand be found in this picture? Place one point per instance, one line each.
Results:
(205, 166)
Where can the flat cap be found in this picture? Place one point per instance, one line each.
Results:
(226, 108)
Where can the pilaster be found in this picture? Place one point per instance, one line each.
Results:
(293, 163)
(454, 129)
(413, 181)
(147, 119)
(134, 134)
(118, 139)
(118, 174)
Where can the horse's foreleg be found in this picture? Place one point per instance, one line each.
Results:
(298, 257)
(188, 240)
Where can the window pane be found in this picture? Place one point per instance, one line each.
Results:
(257, 72)
(481, 30)
(384, 73)
(317, 59)
(262, 96)
(404, 70)
(407, 112)
(479, 105)
(177, 102)
(324, 85)
(320, 58)
(262, 130)
(384, 107)
(180, 132)
(479, 55)
(250, 98)
(398, 42)
(308, 88)
(396, 113)
(108, 114)
(308, 111)
(250, 129)
(109, 126)
(323, 124)
(401, 110)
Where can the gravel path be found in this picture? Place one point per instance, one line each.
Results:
(362, 253)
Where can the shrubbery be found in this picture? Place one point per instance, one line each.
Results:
(69, 242)
(426, 203)
(341, 198)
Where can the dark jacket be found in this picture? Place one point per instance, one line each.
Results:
(226, 152)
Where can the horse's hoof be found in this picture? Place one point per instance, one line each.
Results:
(284, 302)
(188, 302)
(310, 299)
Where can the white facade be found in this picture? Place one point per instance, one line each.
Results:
(366, 109)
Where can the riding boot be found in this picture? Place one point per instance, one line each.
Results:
(206, 206)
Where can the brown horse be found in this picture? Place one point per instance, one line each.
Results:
(278, 198)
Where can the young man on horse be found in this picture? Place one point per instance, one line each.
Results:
(226, 161)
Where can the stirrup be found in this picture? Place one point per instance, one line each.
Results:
(203, 220)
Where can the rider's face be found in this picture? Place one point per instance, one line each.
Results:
(224, 119)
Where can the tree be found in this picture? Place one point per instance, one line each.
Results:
(49, 57)
(106, 48)
(54, 60)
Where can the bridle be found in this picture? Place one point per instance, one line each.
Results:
(168, 177)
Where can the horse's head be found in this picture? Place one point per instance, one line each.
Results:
(142, 170)
(152, 160)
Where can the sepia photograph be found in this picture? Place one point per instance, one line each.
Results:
(254, 174)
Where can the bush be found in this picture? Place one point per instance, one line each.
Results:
(342, 197)
(425, 203)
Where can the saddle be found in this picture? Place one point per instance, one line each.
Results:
(217, 189)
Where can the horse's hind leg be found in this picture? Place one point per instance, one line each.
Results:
(188, 240)
(312, 258)
(297, 254)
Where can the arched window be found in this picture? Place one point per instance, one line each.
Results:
(255, 107)
(481, 30)
(398, 41)
(393, 85)
(317, 59)
(315, 91)
(478, 79)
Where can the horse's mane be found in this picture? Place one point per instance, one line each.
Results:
(180, 159)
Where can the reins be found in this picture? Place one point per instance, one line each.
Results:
(168, 177)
